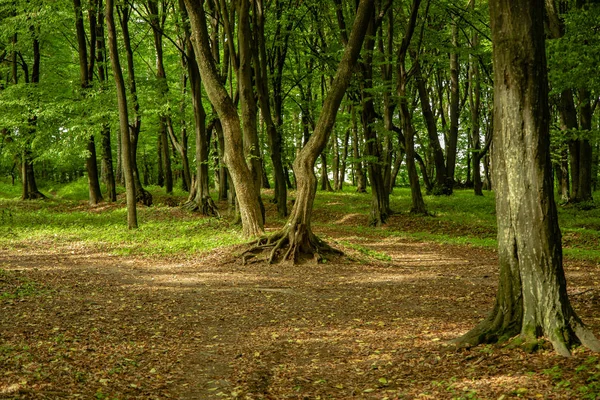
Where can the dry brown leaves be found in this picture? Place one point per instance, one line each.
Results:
(88, 325)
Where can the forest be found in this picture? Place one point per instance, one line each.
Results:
(304, 199)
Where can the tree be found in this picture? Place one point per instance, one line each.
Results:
(86, 73)
(532, 297)
(246, 190)
(418, 204)
(127, 161)
(297, 235)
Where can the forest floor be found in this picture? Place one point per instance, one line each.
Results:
(77, 322)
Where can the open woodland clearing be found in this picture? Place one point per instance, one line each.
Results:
(82, 318)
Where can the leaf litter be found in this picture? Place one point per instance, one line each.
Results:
(76, 323)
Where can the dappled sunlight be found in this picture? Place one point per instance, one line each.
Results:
(347, 218)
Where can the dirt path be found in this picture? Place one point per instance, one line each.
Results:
(86, 325)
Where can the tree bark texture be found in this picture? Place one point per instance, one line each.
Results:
(297, 234)
(123, 116)
(532, 297)
(248, 197)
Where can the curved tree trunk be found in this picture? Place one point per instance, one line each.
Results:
(297, 235)
(246, 191)
(532, 296)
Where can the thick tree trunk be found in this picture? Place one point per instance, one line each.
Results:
(246, 191)
(532, 297)
(123, 116)
(297, 234)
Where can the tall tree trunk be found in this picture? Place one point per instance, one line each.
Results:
(454, 107)
(361, 179)
(123, 116)
(325, 185)
(475, 107)
(157, 24)
(142, 195)
(418, 204)
(335, 161)
(584, 192)
(532, 296)
(246, 191)
(107, 161)
(297, 234)
(91, 163)
(248, 102)
(273, 125)
(342, 170)
(442, 184)
(380, 200)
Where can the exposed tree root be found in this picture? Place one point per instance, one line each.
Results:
(205, 206)
(290, 245)
(563, 336)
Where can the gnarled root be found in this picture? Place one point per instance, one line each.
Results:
(562, 334)
(205, 206)
(293, 243)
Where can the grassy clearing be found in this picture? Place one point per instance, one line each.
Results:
(66, 219)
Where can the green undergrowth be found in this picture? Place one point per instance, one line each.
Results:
(65, 219)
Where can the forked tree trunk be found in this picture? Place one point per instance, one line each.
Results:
(297, 235)
(532, 296)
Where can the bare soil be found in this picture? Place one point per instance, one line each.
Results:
(85, 324)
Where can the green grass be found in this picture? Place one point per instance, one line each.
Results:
(66, 219)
